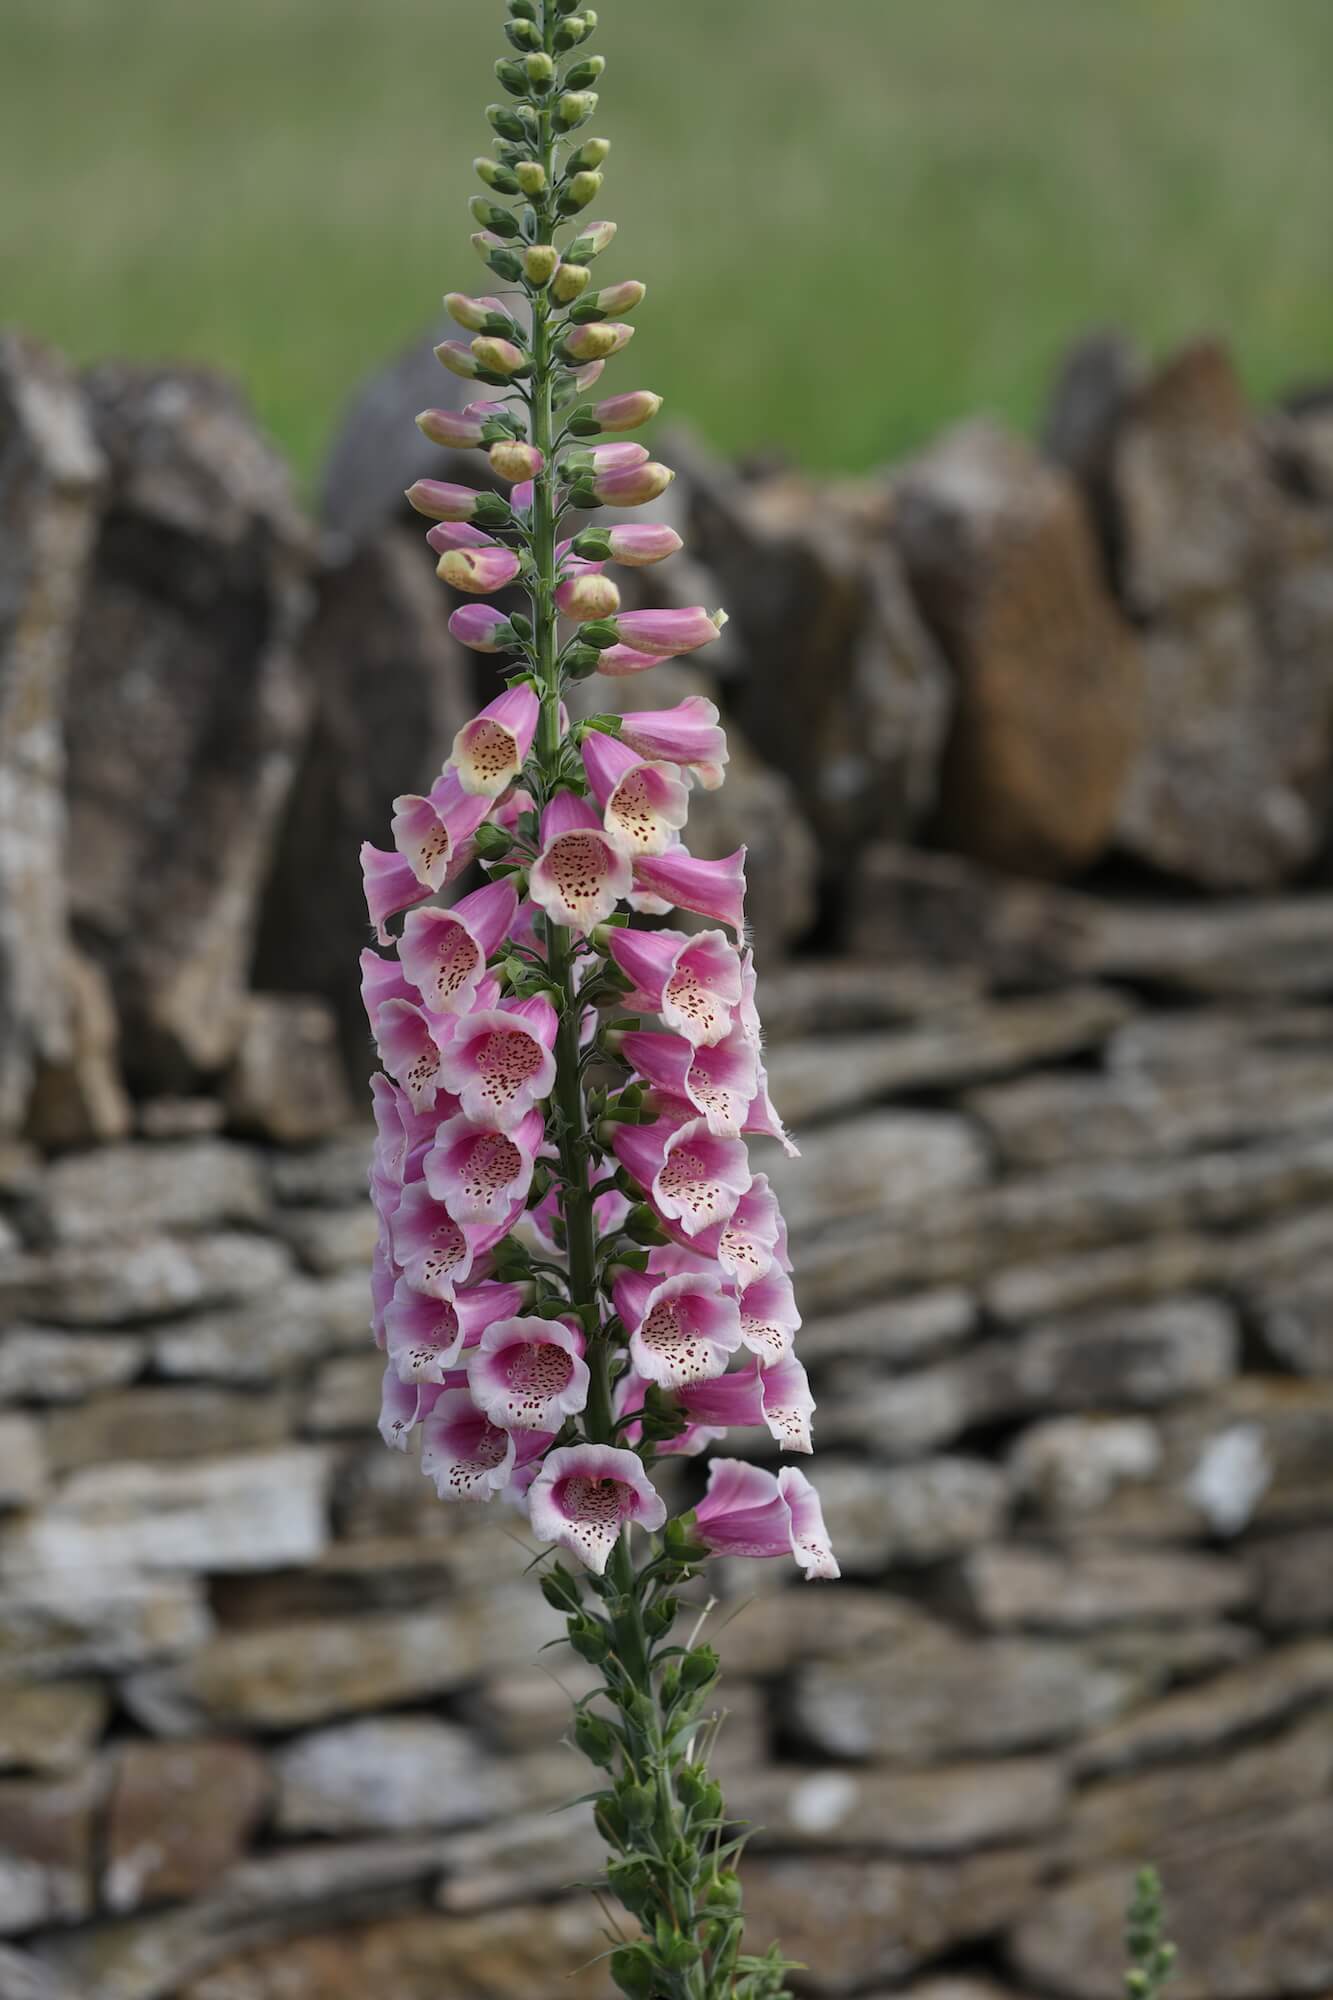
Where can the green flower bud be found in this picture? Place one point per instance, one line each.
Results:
(559, 1588)
(581, 662)
(600, 634)
(592, 153)
(598, 236)
(633, 1971)
(593, 19)
(575, 108)
(498, 220)
(637, 1802)
(589, 1640)
(723, 1890)
(642, 1226)
(524, 35)
(492, 842)
(506, 123)
(539, 69)
(530, 176)
(677, 1953)
(582, 75)
(566, 6)
(523, 10)
(633, 1881)
(699, 1668)
(593, 545)
(598, 1741)
(584, 187)
(571, 31)
(496, 177)
(512, 76)
(660, 1617)
(540, 261)
(571, 279)
(610, 1821)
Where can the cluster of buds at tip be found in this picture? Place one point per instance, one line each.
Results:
(581, 1271)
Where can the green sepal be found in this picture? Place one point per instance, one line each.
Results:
(492, 511)
(524, 34)
(583, 75)
(589, 1639)
(599, 633)
(496, 177)
(512, 76)
(506, 122)
(524, 10)
(561, 1590)
(597, 1740)
(581, 662)
(499, 221)
(642, 1227)
(589, 314)
(492, 844)
(503, 429)
(506, 264)
(634, 1972)
(585, 500)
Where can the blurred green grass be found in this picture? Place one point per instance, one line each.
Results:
(858, 218)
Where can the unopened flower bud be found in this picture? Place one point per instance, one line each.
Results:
(632, 485)
(540, 70)
(478, 571)
(597, 237)
(626, 413)
(439, 501)
(448, 428)
(475, 314)
(588, 595)
(642, 1226)
(621, 298)
(500, 357)
(531, 176)
(595, 1737)
(566, 6)
(582, 75)
(596, 342)
(637, 547)
(504, 262)
(633, 1971)
(575, 108)
(540, 262)
(495, 176)
(458, 358)
(512, 76)
(592, 153)
(498, 220)
(581, 662)
(506, 123)
(578, 192)
(524, 34)
(699, 1668)
(570, 280)
(588, 1639)
(523, 10)
(513, 460)
(483, 629)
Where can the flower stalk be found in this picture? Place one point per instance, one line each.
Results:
(579, 1275)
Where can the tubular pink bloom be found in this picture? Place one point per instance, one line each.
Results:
(681, 1329)
(500, 356)
(522, 497)
(618, 457)
(585, 592)
(467, 1456)
(429, 1338)
(694, 983)
(447, 535)
(643, 805)
(382, 979)
(627, 412)
(637, 547)
(481, 1175)
(713, 889)
(409, 1047)
(459, 432)
(752, 1240)
(444, 952)
(490, 751)
(439, 501)
(500, 1062)
(777, 1396)
(769, 1319)
(478, 570)
(483, 629)
(584, 378)
(716, 1083)
(586, 1494)
(458, 358)
(434, 834)
(404, 1136)
(581, 872)
(762, 1119)
(629, 1396)
(747, 1512)
(688, 734)
(384, 1276)
(402, 1407)
(435, 1252)
(693, 1179)
(529, 1374)
(622, 297)
(515, 461)
(598, 341)
(667, 633)
(733, 1402)
(619, 662)
(632, 485)
(469, 312)
(391, 886)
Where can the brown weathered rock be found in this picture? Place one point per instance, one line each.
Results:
(178, 1816)
(46, 1852)
(951, 1810)
(25, 1978)
(51, 1728)
(286, 1078)
(843, 689)
(940, 1697)
(51, 473)
(345, 1396)
(1294, 1316)
(78, 1097)
(1294, 1579)
(1001, 557)
(186, 710)
(387, 1776)
(767, 1635)
(1198, 1721)
(1249, 1913)
(853, 1921)
(841, 996)
(1022, 1587)
(328, 1175)
(392, 689)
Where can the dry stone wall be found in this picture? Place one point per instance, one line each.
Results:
(273, 1722)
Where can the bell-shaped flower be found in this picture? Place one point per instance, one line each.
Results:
(434, 834)
(480, 1174)
(751, 1240)
(689, 734)
(383, 979)
(403, 1136)
(529, 1374)
(693, 983)
(409, 1042)
(581, 873)
(467, 1456)
(668, 633)
(391, 886)
(436, 1253)
(713, 889)
(426, 1337)
(619, 662)
(748, 1512)
(403, 1405)
(490, 751)
(777, 1396)
(681, 1329)
(716, 1084)
(644, 805)
(630, 1393)
(585, 1496)
(444, 952)
(501, 1062)
(692, 1179)
(769, 1318)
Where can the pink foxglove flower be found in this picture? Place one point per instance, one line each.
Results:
(691, 1178)
(479, 571)
(402, 1407)
(444, 952)
(490, 751)
(585, 592)
(752, 1239)
(713, 889)
(529, 1374)
(668, 633)
(617, 457)
(688, 734)
(392, 886)
(446, 535)
(632, 485)
(681, 1329)
(777, 1396)
(467, 1456)
(643, 805)
(694, 983)
(440, 501)
(747, 1512)
(716, 1084)
(586, 1495)
(436, 1253)
(627, 412)
(482, 628)
(427, 1337)
(500, 1061)
(637, 547)
(409, 1044)
(769, 1317)
(581, 873)
(481, 1175)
